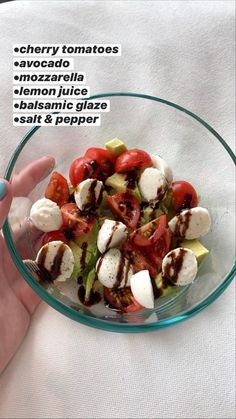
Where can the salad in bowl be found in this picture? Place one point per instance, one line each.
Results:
(121, 227)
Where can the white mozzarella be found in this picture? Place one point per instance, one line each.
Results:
(191, 223)
(88, 194)
(113, 269)
(142, 290)
(180, 266)
(46, 215)
(161, 164)
(57, 258)
(111, 234)
(152, 184)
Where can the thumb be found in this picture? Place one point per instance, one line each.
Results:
(5, 200)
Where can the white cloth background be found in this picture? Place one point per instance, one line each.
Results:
(182, 51)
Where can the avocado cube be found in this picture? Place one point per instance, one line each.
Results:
(164, 290)
(116, 147)
(77, 253)
(117, 182)
(137, 193)
(197, 248)
(147, 215)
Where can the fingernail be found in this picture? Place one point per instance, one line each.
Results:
(50, 167)
(3, 190)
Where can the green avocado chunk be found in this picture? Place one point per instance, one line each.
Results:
(118, 182)
(85, 252)
(116, 147)
(77, 253)
(160, 285)
(197, 248)
(147, 215)
(89, 284)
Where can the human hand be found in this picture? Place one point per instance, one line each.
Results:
(17, 300)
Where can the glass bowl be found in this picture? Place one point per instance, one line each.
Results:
(195, 152)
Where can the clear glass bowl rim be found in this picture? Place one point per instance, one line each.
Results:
(77, 315)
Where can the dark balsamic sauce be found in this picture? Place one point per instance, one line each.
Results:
(187, 202)
(182, 224)
(55, 271)
(95, 297)
(175, 264)
(100, 263)
(114, 228)
(131, 179)
(93, 201)
(83, 255)
(161, 191)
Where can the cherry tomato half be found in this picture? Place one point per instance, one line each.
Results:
(57, 235)
(121, 299)
(81, 169)
(162, 246)
(57, 189)
(149, 233)
(125, 207)
(132, 160)
(104, 159)
(73, 220)
(140, 259)
(184, 195)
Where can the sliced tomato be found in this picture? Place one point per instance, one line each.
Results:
(162, 246)
(132, 160)
(57, 235)
(125, 207)
(184, 195)
(104, 159)
(140, 259)
(81, 169)
(57, 189)
(73, 220)
(121, 299)
(149, 233)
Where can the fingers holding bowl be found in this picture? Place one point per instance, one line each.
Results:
(24, 182)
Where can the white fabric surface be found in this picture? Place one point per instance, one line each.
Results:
(184, 52)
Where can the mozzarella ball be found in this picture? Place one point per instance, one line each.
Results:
(113, 269)
(142, 290)
(46, 215)
(191, 223)
(111, 234)
(57, 259)
(180, 266)
(152, 184)
(161, 164)
(88, 194)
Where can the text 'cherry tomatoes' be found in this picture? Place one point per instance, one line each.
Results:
(132, 160)
(125, 207)
(184, 195)
(57, 189)
(73, 220)
(121, 299)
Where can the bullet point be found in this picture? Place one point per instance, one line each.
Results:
(16, 63)
(16, 91)
(16, 49)
(16, 119)
(16, 105)
(16, 77)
